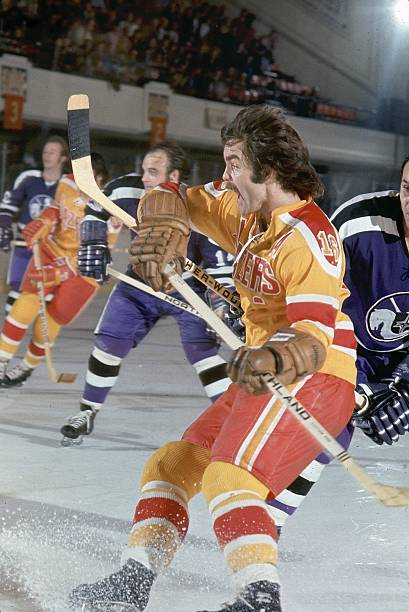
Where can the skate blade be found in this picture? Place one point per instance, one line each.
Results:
(109, 606)
(72, 441)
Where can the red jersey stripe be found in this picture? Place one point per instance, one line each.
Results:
(313, 311)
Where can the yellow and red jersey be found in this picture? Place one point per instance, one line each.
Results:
(288, 275)
(67, 212)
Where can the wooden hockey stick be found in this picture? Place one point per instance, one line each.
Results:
(78, 125)
(158, 294)
(207, 279)
(78, 132)
(54, 376)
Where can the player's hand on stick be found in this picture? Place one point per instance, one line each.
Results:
(39, 229)
(163, 235)
(94, 253)
(51, 275)
(385, 417)
(93, 259)
(6, 232)
(290, 355)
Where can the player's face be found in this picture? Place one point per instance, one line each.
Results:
(404, 194)
(155, 170)
(52, 156)
(251, 196)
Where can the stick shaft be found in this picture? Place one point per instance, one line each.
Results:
(208, 280)
(325, 439)
(157, 294)
(43, 314)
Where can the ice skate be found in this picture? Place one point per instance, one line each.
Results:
(79, 425)
(126, 590)
(261, 596)
(17, 376)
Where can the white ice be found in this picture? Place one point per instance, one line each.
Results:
(65, 512)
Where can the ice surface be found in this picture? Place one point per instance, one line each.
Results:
(65, 512)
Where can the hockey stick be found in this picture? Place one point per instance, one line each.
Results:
(78, 132)
(207, 279)
(23, 243)
(54, 376)
(78, 126)
(389, 496)
(158, 294)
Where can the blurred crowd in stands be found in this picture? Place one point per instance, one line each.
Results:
(193, 45)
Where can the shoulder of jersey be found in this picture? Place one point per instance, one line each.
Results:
(315, 229)
(310, 219)
(68, 179)
(125, 186)
(217, 189)
(27, 174)
(378, 211)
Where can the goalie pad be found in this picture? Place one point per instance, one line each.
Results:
(163, 235)
(290, 355)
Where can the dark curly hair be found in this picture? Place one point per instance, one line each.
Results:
(271, 143)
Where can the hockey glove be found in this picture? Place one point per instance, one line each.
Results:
(41, 227)
(93, 260)
(290, 355)
(94, 254)
(6, 231)
(51, 275)
(163, 235)
(385, 417)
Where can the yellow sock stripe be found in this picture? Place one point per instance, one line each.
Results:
(239, 555)
(163, 537)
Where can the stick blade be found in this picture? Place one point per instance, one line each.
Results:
(66, 377)
(397, 497)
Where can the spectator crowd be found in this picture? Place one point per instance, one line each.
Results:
(192, 45)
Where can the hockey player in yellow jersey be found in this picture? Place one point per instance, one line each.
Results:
(245, 447)
(56, 230)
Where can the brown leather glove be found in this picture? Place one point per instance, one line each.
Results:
(294, 356)
(163, 235)
(41, 227)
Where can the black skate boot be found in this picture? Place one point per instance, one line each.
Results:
(127, 590)
(260, 596)
(17, 376)
(79, 425)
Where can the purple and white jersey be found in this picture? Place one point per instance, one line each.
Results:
(377, 271)
(28, 197)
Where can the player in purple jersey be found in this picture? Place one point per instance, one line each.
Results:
(130, 313)
(374, 229)
(33, 190)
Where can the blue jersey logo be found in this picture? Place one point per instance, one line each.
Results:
(388, 319)
(37, 204)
